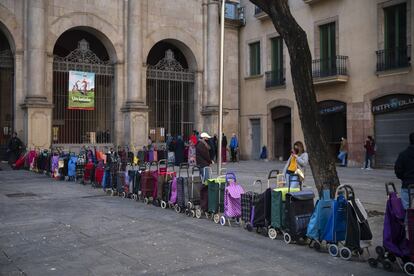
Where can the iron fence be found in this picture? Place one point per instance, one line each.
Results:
(328, 67)
(275, 78)
(394, 58)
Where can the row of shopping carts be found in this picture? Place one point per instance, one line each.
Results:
(337, 223)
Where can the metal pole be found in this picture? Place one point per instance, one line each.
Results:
(220, 116)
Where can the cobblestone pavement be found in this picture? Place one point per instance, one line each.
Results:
(61, 228)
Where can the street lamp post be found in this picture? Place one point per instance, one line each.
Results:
(220, 115)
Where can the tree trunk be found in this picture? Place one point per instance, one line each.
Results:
(321, 162)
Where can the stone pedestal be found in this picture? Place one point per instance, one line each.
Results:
(38, 123)
(135, 126)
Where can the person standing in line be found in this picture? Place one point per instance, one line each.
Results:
(179, 151)
(369, 152)
(14, 148)
(215, 144)
(234, 144)
(203, 154)
(404, 170)
(224, 149)
(343, 152)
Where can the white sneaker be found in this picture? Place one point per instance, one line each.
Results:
(362, 168)
(369, 169)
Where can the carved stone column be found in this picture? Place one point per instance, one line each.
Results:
(38, 119)
(135, 110)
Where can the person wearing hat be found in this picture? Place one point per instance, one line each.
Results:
(203, 158)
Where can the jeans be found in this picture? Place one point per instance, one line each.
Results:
(233, 152)
(368, 160)
(405, 198)
(205, 173)
(293, 184)
(342, 157)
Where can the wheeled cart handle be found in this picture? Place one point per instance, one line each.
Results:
(257, 182)
(273, 174)
(183, 166)
(229, 176)
(387, 188)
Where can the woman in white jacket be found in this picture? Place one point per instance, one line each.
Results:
(296, 163)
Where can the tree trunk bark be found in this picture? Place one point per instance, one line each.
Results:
(320, 160)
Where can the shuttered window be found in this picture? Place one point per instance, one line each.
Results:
(254, 51)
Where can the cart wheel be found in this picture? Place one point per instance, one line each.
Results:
(113, 193)
(391, 257)
(287, 238)
(345, 253)
(190, 205)
(216, 218)
(198, 213)
(380, 251)
(222, 220)
(163, 204)
(124, 195)
(317, 246)
(237, 221)
(409, 268)
(193, 213)
(146, 200)
(187, 212)
(134, 197)
(249, 227)
(333, 250)
(387, 266)
(177, 209)
(272, 233)
(373, 262)
(207, 214)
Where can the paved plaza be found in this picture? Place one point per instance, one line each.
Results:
(50, 227)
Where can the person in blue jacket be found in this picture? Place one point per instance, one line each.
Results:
(234, 144)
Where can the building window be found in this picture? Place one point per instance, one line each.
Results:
(275, 77)
(327, 48)
(254, 50)
(396, 52)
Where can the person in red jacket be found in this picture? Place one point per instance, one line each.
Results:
(369, 152)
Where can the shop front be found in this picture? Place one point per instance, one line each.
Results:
(394, 121)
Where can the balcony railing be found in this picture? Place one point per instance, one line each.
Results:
(259, 13)
(329, 67)
(257, 10)
(234, 13)
(275, 78)
(396, 58)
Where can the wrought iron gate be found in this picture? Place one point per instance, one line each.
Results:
(170, 94)
(83, 126)
(6, 98)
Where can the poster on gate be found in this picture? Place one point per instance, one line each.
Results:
(81, 90)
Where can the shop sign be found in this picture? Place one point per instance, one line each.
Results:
(329, 107)
(392, 103)
(81, 90)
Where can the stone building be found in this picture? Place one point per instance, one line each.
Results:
(156, 71)
(155, 65)
(362, 74)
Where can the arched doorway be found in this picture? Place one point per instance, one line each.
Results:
(282, 132)
(83, 90)
(170, 92)
(6, 93)
(393, 122)
(333, 116)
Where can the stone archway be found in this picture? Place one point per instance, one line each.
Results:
(83, 116)
(170, 92)
(7, 92)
